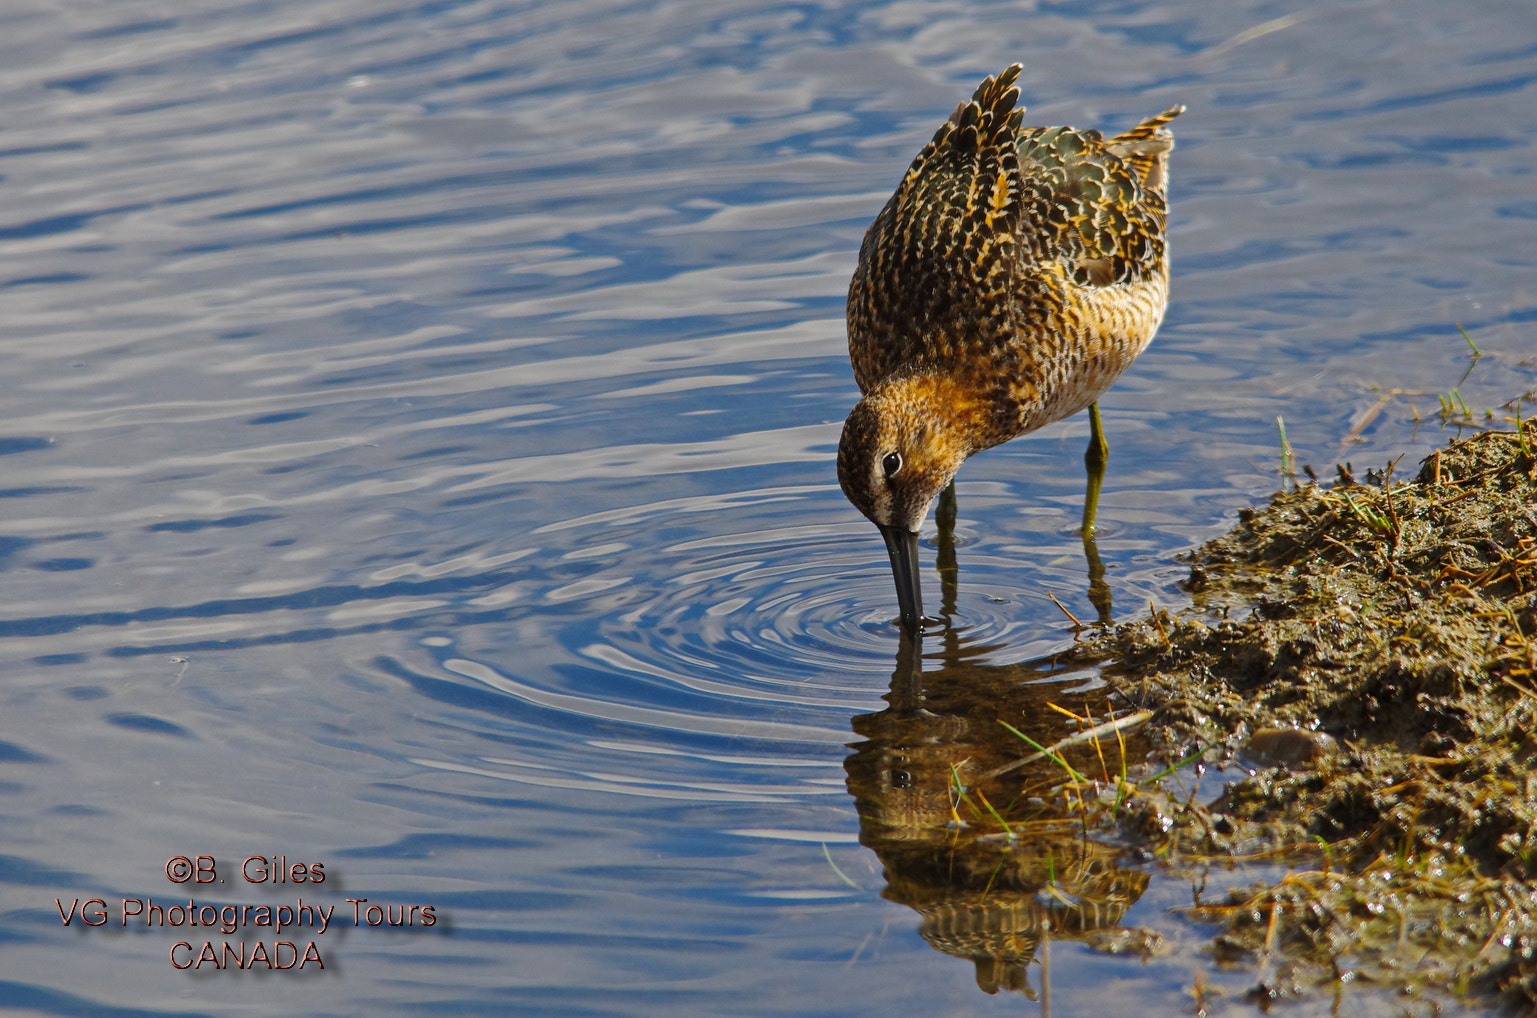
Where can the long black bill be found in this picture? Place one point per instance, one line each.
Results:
(902, 546)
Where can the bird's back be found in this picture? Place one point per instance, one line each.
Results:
(1028, 262)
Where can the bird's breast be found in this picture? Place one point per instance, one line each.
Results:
(1057, 367)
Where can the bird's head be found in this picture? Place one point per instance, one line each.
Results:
(899, 450)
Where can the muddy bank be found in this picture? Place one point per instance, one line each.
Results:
(1367, 649)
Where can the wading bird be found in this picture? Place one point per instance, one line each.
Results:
(1012, 277)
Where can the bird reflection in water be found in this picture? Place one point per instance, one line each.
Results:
(994, 857)
(1013, 276)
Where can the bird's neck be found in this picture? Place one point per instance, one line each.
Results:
(962, 411)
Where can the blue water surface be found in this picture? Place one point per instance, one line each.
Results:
(416, 458)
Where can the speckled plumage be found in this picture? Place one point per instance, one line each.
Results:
(1014, 274)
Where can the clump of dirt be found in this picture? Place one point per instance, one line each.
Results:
(1369, 652)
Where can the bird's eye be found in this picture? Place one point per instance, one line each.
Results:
(892, 464)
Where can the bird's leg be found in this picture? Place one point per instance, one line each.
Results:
(1094, 460)
(949, 569)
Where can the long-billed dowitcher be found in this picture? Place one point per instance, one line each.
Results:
(1014, 274)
